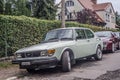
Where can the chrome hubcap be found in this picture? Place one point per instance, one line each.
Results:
(99, 53)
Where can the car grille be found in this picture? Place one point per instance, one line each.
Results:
(31, 54)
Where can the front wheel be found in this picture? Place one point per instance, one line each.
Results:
(30, 70)
(98, 55)
(66, 61)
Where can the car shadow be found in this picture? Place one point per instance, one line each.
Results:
(57, 71)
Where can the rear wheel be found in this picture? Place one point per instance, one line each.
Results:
(98, 55)
(66, 61)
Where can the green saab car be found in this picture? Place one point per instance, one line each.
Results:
(61, 46)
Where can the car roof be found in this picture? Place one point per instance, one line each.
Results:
(116, 32)
(102, 31)
(71, 28)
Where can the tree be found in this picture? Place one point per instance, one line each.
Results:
(44, 9)
(17, 7)
(8, 9)
(63, 13)
(87, 16)
(1, 6)
(21, 8)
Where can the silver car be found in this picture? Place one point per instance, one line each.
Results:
(61, 46)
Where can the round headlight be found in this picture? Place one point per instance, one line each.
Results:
(43, 53)
(18, 55)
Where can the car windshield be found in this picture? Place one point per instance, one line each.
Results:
(103, 34)
(61, 34)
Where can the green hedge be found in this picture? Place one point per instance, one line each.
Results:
(25, 31)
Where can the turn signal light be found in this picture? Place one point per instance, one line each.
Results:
(51, 52)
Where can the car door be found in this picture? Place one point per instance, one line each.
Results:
(91, 42)
(81, 44)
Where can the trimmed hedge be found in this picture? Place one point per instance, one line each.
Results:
(24, 31)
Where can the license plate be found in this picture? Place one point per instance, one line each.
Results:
(25, 63)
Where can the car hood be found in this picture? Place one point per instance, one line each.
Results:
(105, 38)
(45, 46)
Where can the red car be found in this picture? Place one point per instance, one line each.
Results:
(117, 34)
(109, 40)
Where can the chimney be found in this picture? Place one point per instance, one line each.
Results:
(94, 1)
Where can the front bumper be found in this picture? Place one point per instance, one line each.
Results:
(107, 46)
(36, 62)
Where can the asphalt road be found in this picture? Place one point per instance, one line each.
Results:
(83, 70)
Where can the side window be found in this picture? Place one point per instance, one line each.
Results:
(80, 34)
(89, 34)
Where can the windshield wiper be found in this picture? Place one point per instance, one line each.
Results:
(52, 39)
(66, 39)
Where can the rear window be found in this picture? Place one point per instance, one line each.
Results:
(89, 34)
(80, 34)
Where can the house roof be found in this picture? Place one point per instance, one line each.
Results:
(102, 6)
(88, 4)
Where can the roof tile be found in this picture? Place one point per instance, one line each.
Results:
(101, 6)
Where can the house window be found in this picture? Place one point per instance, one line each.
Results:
(69, 16)
(113, 19)
(107, 17)
(69, 3)
(59, 17)
(110, 11)
(66, 11)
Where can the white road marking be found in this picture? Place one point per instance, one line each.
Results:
(12, 78)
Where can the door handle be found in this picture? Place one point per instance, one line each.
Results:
(98, 39)
(88, 40)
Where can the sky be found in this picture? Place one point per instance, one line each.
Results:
(115, 3)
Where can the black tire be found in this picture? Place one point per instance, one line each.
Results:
(66, 61)
(99, 54)
(113, 48)
(30, 70)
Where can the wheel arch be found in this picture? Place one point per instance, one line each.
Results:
(72, 57)
(100, 46)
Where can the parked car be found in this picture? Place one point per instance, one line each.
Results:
(109, 40)
(117, 34)
(61, 46)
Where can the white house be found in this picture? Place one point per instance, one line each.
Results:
(104, 11)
